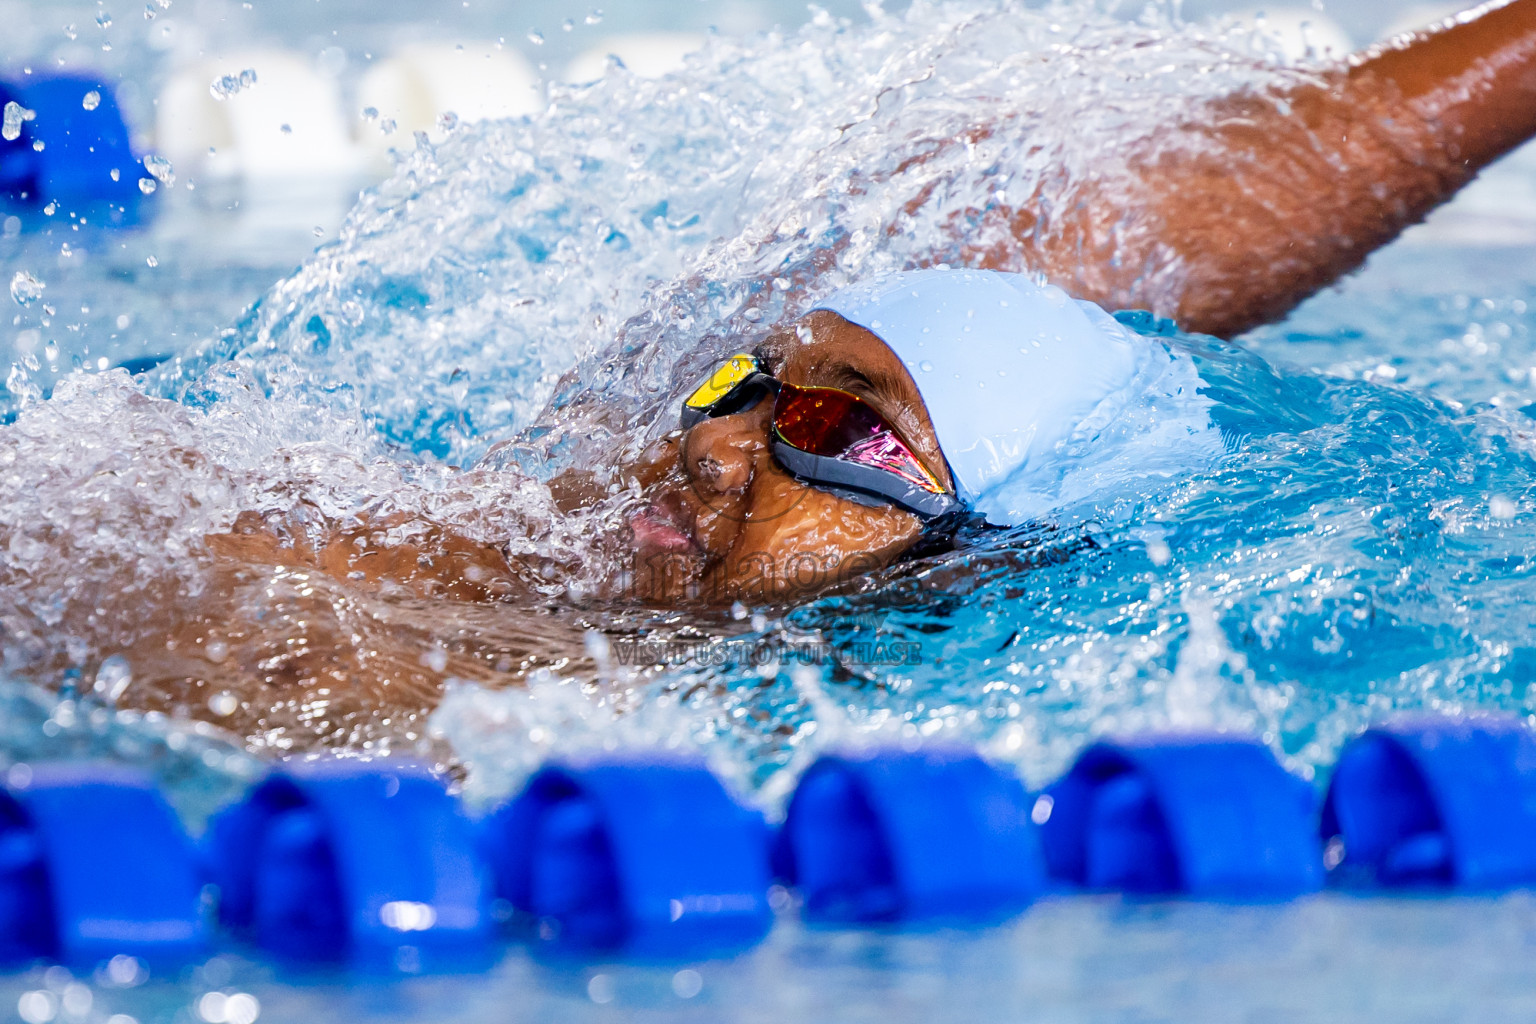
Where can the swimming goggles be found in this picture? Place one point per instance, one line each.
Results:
(825, 436)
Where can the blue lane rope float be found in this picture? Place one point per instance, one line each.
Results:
(641, 853)
(1208, 816)
(94, 863)
(1439, 801)
(894, 835)
(70, 139)
(373, 865)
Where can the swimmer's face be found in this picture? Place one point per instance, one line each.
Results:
(727, 522)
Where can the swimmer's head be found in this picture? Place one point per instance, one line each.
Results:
(951, 381)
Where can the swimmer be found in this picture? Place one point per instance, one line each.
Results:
(895, 408)
(1254, 209)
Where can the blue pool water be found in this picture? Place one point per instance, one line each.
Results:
(1364, 546)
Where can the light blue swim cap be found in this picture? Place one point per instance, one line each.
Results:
(1010, 371)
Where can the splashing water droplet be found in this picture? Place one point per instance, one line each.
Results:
(925, 366)
(117, 175)
(370, 113)
(223, 704)
(104, 19)
(151, 261)
(536, 37)
(226, 86)
(149, 12)
(447, 121)
(595, 17)
(15, 115)
(91, 100)
(26, 289)
(159, 168)
(387, 126)
(113, 678)
(148, 185)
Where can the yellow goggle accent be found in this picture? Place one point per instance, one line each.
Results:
(730, 373)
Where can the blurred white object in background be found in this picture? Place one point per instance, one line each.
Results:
(1299, 33)
(258, 114)
(647, 54)
(1421, 16)
(409, 91)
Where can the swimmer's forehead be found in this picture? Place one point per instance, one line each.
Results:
(821, 349)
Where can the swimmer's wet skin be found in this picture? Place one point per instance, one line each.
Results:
(1262, 200)
(1251, 208)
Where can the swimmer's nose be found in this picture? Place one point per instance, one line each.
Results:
(720, 454)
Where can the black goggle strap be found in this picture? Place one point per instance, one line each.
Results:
(864, 484)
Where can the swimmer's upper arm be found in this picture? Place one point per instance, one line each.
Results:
(427, 559)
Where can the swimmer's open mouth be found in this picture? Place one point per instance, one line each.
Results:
(656, 529)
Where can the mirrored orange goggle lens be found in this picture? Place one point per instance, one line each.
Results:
(824, 421)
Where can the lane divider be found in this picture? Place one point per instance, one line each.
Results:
(1441, 801)
(94, 863)
(374, 866)
(1208, 816)
(347, 861)
(910, 836)
(648, 854)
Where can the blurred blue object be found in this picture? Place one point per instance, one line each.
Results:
(1439, 801)
(68, 147)
(1209, 816)
(93, 864)
(646, 854)
(895, 835)
(372, 865)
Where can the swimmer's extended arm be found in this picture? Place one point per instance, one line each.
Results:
(1475, 77)
(1253, 204)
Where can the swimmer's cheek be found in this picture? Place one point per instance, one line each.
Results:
(828, 542)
